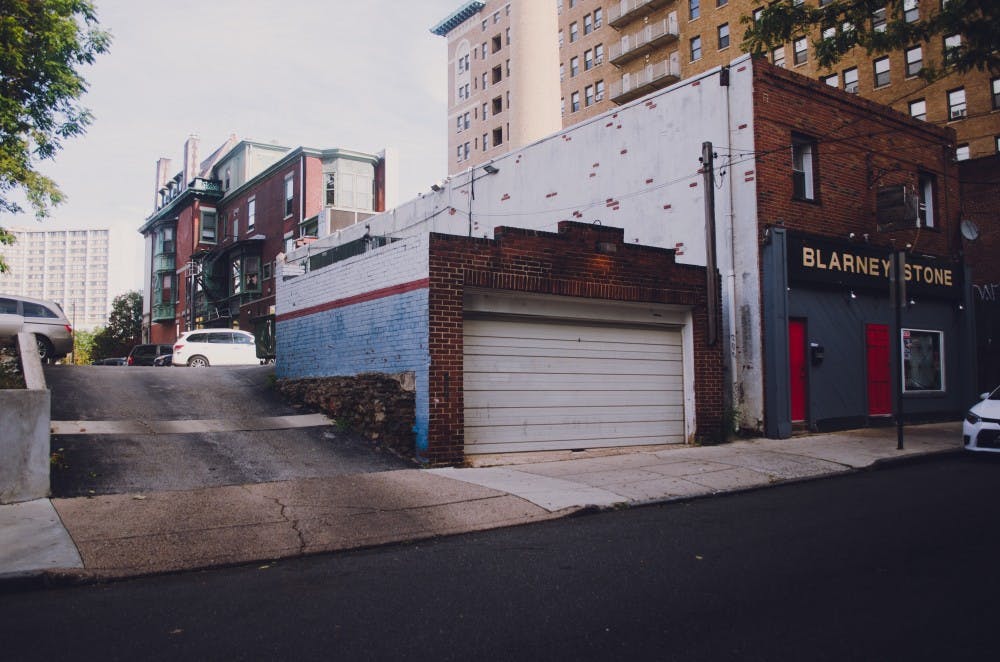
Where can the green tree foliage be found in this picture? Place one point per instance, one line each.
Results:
(43, 43)
(124, 328)
(83, 346)
(858, 24)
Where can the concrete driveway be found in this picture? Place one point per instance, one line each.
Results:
(135, 429)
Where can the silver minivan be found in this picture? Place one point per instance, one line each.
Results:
(206, 347)
(45, 319)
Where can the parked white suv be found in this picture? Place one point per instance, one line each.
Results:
(45, 319)
(205, 347)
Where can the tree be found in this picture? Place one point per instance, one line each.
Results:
(881, 26)
(83, 346)
(42, 45)
(124, 328)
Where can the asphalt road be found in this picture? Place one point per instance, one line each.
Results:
(894, 564)
(121, 463)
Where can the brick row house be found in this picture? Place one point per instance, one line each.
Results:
(219, 225)
(487, 289)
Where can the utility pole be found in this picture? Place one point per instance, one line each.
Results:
(712, 278)
(898, 292)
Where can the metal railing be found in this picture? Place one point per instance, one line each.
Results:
(626, 10)
(651, 76)
(637, 43)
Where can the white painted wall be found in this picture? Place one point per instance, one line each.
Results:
(636, 168)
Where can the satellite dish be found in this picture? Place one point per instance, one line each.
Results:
(969, 230)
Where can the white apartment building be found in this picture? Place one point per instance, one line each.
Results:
(69, 267)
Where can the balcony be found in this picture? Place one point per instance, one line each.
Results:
(163, 312)
(652, 77)
(627, 11)
(201, 185)
(635, 45)
(163, 262)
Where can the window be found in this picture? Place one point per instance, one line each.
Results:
(911, 11)
(598, 54)
(485, 114)
(496, 17)
(498, 136)
(508, 36)
(458, 124)
(486, 141)
(925, 208)
(694, 9)
(251, 214)
(914, 61)
(878, 20)
(574, 32)
(588, 60)
(574, 102)
(995, 88)
(560, 39)
(757, 14)
(266, 270)
(829, 33)
(801, 50)
(962, 152)
(331, 188)
(465, 117)
(599, 90)
(997, 140)
(851, 80)
(721, 3)
(497, 74)
(483, 49)
(209, 221)
(923, 360)
(588, 24)
(562, 71)
(881, 67)
(497, 44)
(289, 196)
(485, 78)
(251, 273)
(695, 48)
(588, 95)
(574, 66)
(951, 45)
(918, 109)
(778, 56)
(956, 104)
(724, 36)
(497, 105)
(832, 81)
(226, 180)
(485, 23)
(465, 151)
(803, 167)
(598, 17)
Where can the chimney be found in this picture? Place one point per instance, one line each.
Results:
(162, 168)
(190, 160)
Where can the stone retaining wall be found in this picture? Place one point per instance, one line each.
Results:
(377, 406)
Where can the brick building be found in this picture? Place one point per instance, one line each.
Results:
(801, 172)
(611, 52)
(219, 225)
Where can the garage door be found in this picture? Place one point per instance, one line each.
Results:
(536, 384)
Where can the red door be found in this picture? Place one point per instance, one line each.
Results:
(877, 346)
(797, 368)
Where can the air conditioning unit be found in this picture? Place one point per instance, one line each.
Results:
(600, 96)
(957, 113)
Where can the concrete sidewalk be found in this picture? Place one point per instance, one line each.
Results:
(84, 539)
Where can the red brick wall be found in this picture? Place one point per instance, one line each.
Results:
(981, 204)
(565, 263)
(861, 146)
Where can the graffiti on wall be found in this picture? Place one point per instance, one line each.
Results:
(990, 292)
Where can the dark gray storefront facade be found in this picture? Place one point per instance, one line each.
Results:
(830, 356)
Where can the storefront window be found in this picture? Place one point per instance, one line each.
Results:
(923, 361)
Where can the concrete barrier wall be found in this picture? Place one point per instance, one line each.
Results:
(24, 431)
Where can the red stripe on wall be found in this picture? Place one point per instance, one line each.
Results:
(357, 298)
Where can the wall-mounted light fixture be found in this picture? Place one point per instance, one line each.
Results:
(853, 295)
(490, 169)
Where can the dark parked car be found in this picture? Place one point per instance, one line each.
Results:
(118, 360)
(146, 354)
(165, 360)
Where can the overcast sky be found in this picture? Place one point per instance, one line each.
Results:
(360, 75)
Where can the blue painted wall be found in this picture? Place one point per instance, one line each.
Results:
(388, 335)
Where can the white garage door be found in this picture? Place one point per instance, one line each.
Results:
(552, 385)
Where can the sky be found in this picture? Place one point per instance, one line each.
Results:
(316, 73)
